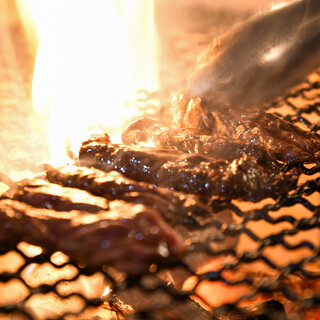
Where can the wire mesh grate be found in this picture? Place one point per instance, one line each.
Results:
(269, 250)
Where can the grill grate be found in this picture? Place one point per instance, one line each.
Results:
(270, 250)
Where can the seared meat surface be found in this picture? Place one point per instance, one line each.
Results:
(285, 141)
(198, 141)
(175, 207)
(99, 217)
(128, 236)
(190, 215)
(227, 136)
(243, 178)
(42, 194)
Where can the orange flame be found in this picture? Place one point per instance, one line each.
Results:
(91, 58)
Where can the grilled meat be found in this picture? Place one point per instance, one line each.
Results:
(243, 178)
(175, 207)
(187, 213)
(199, 141)
(227, 135)
(42, 194)
(280, 138)
(128, 236)
(113, 202)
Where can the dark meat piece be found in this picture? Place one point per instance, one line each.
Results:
(243, 178)
(180, 210)
(194, 220)
(128, 237)
(42, 194)
(284, 140)
(175, 207)
(199, 141)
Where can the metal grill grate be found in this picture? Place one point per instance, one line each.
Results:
(270, 250)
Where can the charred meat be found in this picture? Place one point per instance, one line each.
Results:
(128, 237)
(175, 207)
(226, 135)
(41, 194)
(284, 140)
(198, 141)
(194, 218)
(243, 178)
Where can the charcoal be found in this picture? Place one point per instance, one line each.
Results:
(128, 237)
(190, 173)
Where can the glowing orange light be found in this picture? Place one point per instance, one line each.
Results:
(91, 58)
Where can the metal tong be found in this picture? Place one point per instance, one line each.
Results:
(262, 57)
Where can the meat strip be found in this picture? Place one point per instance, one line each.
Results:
(42, 194)
(175, 207)
(194, 220)
(128, 237)
(243, 178)
(281, 138)
(199, 141)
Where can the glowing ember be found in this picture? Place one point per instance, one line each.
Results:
(91, 58)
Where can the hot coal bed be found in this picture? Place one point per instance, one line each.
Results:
(172, 232)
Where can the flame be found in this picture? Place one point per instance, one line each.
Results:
(92, 56)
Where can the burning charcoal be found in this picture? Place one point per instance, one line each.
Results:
(285, 141)
(190, 173)
(128, 237)
(42, 194)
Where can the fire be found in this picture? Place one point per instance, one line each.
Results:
(92, 56)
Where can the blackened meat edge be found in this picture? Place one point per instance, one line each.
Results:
(243, 178)
(198, 141)
(128, 237)
(227, 136)
(280, 138)
(42, 194)
(175, 207)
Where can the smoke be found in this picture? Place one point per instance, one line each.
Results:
(22, 143)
